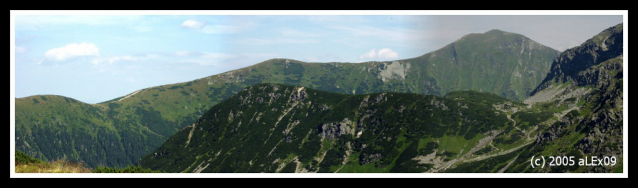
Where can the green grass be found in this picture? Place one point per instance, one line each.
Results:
(619, 168)
(510, 146)
(456, 144)
(353, 166)
(424, 141)
(580, 103)
(563, 144)
(490, 165)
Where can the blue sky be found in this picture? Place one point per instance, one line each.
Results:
(94, 58)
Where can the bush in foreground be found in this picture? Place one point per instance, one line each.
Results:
(27, 164)
(128, 169)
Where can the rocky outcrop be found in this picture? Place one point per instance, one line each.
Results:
(558, 129)
(299, 95)
(438, 104)
(600, 73)
(335, 129)
(604, 125)
(380, 98)
(393, 70)
(365, 158)
(602, 47)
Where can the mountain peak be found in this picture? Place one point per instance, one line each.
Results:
(496, 31)
(606, 45)
(494, 34)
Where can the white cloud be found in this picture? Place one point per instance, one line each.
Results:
(20, 50)
(217, 28)
(369, 55)
(217, 56)
(290, 32)
(202, 58)
(311, 59)
(120, 58)
(394, 34)
(130, 80)
(114, 59)
(331, 19)
(142, 28)
(35, 22)
(185, 53)
(385, 53)
(181, 53)
(71, 51)
(226, 61)
(193, 24)
(94, 61)
(270, 41)
(323, 57)
(132, 67)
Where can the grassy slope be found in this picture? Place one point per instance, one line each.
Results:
(54, 127)
(512, 69)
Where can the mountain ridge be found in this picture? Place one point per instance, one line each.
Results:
(591, 52)
(283, 128)
(155, 113)
(579, 123)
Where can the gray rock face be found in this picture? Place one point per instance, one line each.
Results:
(594, 76)
(231, 116)
(602, 47)
(299, 95)
(368, 158)
(556, 131)
(438, 104)
(335, 129)
(604, 127)
(288, 139)
(324, 107)
(380, 98)
(260, 100)
(604, 134)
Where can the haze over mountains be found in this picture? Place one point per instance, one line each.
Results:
(121, 131)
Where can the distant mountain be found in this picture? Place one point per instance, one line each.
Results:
(55, 127)
(503, 63)
(281, 128)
